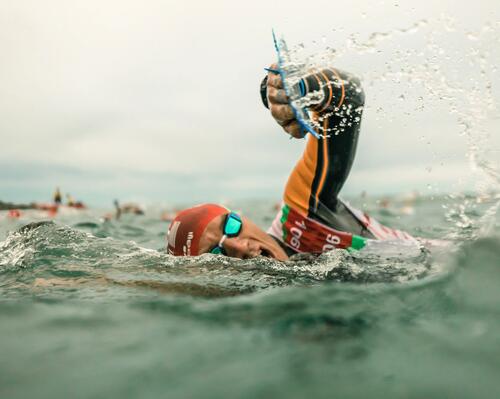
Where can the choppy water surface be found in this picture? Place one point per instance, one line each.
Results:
(94, 309)
(98, 309)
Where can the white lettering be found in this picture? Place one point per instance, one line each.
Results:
(333, 239)
(172, 233)
(295, 240)
(187, 248)
(301, 225)
(296, 232)
(332, 242)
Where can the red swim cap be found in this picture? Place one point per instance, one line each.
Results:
(185, 231)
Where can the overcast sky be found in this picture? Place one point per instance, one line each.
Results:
(158, 100)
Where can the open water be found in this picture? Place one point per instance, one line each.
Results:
(96, 309)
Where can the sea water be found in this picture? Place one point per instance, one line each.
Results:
(97, 309)
(94, 308)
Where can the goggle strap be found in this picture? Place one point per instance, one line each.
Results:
(223, 238)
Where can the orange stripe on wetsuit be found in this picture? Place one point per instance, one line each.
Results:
(298, 187)
(342, 97)
(330, 93)
(325, 164)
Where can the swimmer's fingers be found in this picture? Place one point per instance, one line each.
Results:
(278, 104)
(293, 129)
(281, 112)
(274, 79)
(276, 96)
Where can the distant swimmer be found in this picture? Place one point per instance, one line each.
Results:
(125, 208)
(396, 209)
(130, 207)
(118, 210)
(14, 213)
(312, 217)
(57, 196)
(70, 201)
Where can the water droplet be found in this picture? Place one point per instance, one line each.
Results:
(472, 36)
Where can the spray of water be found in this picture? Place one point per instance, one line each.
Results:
(429, 72)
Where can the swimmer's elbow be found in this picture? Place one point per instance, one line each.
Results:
(340, 89)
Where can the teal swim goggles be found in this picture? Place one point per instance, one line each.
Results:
(232, 227)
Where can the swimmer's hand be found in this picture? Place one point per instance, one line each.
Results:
(279, 104)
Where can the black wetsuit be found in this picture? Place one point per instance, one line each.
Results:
(313, 187)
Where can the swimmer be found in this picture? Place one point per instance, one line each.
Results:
(125, 208)
(130, 207)
(312, 217)
(14, 213)
(74, 204)
(118, 210)
(57, 196)
(70, 201)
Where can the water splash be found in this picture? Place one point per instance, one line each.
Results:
(49, 259)
(430, 72)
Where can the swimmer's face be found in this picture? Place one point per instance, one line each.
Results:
(250, 243)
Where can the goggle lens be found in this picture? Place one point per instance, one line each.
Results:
(233, 224)
(232, 227)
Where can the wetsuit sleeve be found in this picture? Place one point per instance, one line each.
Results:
(320, 173)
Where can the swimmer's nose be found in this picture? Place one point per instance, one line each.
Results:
(242, 248)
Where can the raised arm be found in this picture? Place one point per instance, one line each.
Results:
(324, 166)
